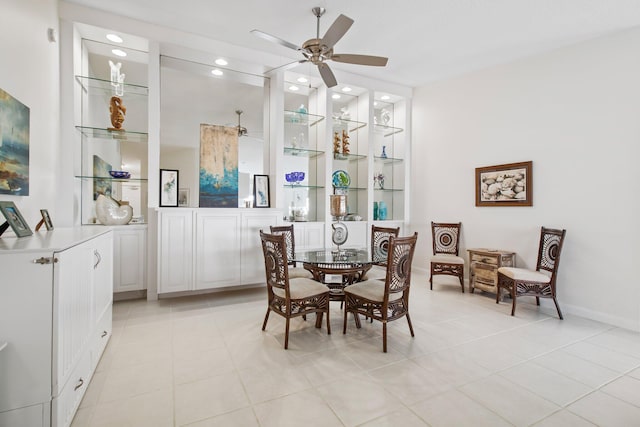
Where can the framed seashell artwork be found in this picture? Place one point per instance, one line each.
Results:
(504, 185)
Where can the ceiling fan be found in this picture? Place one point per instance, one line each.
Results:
(319, 50)
(242, 131)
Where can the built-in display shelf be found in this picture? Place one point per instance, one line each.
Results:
(121, 135)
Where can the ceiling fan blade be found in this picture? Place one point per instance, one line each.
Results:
(288, 66)
(377, 61)
(335, 32)
(275, 39)
(327, 75)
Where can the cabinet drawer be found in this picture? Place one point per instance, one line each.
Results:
(484, 273)
(65, 404)
(485, 259)
(101, 336)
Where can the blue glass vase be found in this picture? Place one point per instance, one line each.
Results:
(383, 155)
(382, 211)
(375, 210)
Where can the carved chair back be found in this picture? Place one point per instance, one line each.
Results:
(551, 241)
(445, 237)
(400, 258)
(287, 232)
(274, 248)
(380, 242)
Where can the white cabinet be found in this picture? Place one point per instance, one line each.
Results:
(211, 248)
(217, 249)
(175, 250)
(309, 235)
(55, 315)
(130, 258)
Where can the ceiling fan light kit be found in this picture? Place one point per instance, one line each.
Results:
(319, 50)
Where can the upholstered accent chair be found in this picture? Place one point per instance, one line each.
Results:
(389, 300)
(445, 259)
(540, 282)
(290, 297)
(287, 232)
(379, 250)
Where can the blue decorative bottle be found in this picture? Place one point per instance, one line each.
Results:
(375, 210)
(383, 155)
(382, 211)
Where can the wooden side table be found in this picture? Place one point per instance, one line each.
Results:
(483, 267)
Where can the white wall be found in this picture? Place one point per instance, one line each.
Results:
(29, 73)
(575, 112)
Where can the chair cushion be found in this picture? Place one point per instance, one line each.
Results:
(447, 259)
(372, 289)
(301, 288)
(297, 272)
(377, 272)
(524, 274)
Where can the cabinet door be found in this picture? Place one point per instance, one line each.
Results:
(175, 251)
(73, 316)
(309, 235)
(217, 249)
(252, 258)
(102, 275)
(25, 325)
(130, 260)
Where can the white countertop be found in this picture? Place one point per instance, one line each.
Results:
(51, 241)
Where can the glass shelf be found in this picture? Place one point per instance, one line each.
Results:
(302, 152)
(350, 188)
(348, 157)
(105, 86)
(121, 135)
(304, 187)
(351, 125)
(305, 119)
(387, 160)
(110, 178)
(386, 130)
(388, 190)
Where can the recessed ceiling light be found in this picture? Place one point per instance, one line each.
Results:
(293, 88)
(114, 38)
(119, 52)
(346, 89)
(335, 96)
(216, 72)
(302, 80)
(384, 97)
(221, 61)
(375, 103)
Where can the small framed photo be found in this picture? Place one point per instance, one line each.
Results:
(504, 185)
(46, 220)
(168, 187)
(15, 219)
(183, 197)
(261, 195)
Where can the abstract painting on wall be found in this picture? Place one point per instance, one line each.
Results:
(101, 169)
(218, 166)
(14, 146)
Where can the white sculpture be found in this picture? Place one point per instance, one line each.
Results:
(110, 212)
(117, 78)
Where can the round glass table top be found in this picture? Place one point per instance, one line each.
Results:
(328, 256)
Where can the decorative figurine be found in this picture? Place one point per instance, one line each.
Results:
(117, 78)
(117, 111)
(345, 142)
(336, 143)
(385, 116)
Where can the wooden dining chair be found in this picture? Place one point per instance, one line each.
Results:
(540, 282)
(389, 300)
(289, 235)
(379, 249)
(445, 259)
(290, 297)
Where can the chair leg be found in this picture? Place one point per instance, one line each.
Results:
(266, 317)
(513, 299)
(328, 322)
(410, 325)
(537, 300)
(357, 319)
(286, 335)
(461, 278)
(431, 280)
(384, 336)
(558, 308)
(344, 324)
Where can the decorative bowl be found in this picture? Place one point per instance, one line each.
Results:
(120, 174)
(294, 177)
(341, 179)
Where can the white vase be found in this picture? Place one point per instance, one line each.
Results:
(110, 212)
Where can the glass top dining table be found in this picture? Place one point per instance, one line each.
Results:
(351, 264)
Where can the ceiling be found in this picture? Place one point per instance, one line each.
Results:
(425, 40)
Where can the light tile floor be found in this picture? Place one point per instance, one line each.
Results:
(204, 361)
